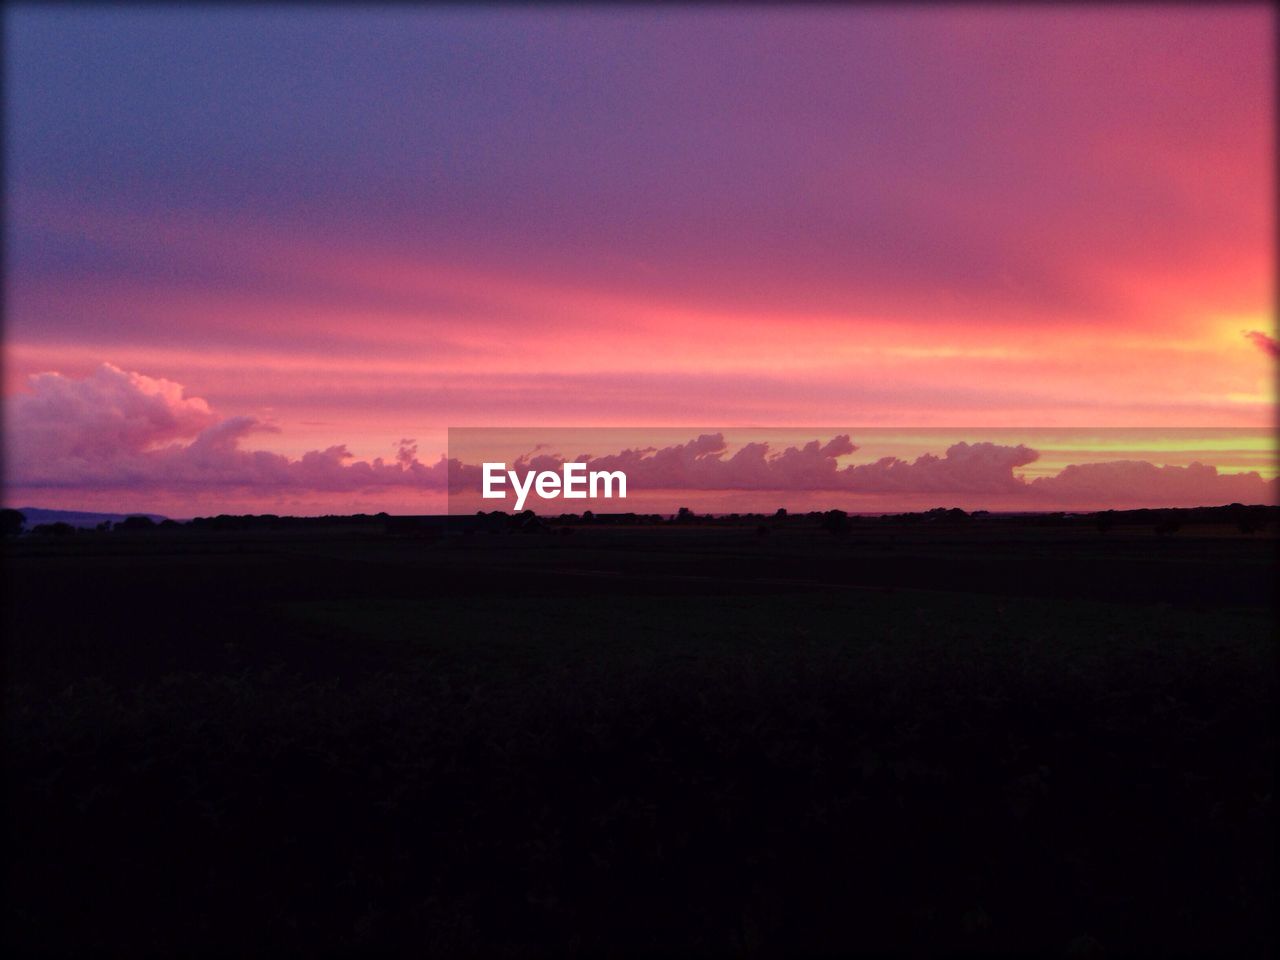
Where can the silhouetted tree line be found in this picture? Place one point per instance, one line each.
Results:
(1248, 519)
(269, 521)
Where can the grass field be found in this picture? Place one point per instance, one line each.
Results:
(994, 737)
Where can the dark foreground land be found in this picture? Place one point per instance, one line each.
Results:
(983, 736)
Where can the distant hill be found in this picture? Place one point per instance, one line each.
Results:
(77, 518)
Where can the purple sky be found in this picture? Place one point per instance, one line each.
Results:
(359, 225)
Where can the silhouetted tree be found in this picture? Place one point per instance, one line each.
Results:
(12, 522)
(836, 522)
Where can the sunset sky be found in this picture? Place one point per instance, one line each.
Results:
(290, 230)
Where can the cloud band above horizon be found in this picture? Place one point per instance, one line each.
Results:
(126, 432)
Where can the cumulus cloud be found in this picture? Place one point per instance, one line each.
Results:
(705, 464)
(966, 468)
(68, 420)
(121, 429)
(1193, 485)
(1264, 342)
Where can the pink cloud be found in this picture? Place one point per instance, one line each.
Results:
(1267, 344)
(966, 468)
(116, 429)
(64, 419)
(705, 464)
(1129, 480)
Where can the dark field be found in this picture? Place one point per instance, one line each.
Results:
(992, 736)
